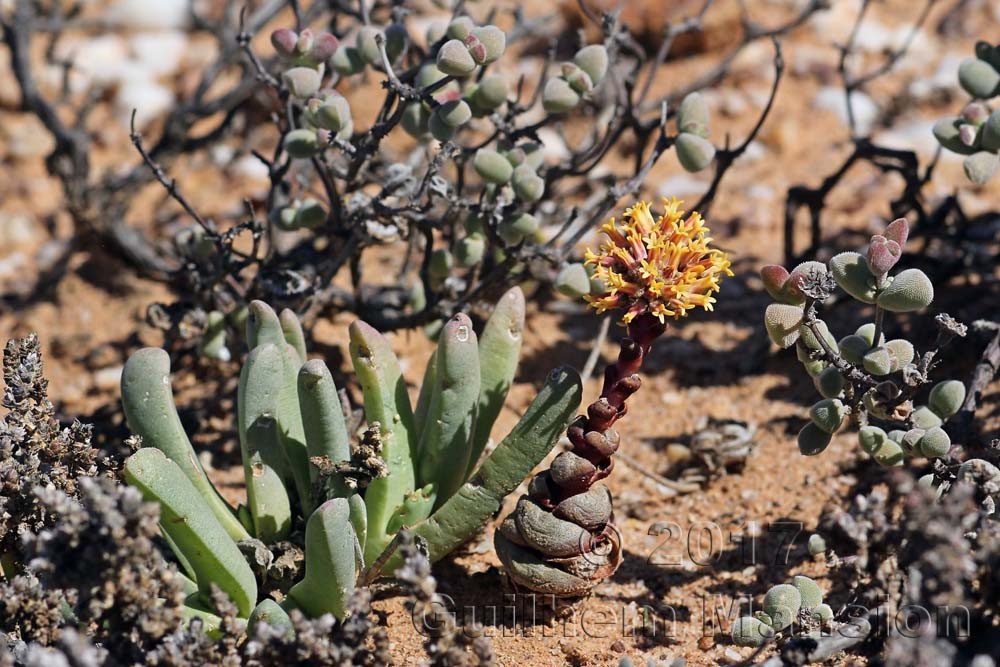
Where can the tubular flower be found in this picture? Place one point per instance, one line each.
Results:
(664, 267)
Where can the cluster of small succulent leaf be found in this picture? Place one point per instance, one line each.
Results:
(786, 608)
(440, 109)
(869, 382)
(412, 469)
(471, 199)
(694, 151)
(562, 93)
(976, 133)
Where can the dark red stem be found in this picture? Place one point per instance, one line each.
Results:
(592, 435)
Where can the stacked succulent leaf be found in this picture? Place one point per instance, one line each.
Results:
(976, 133)
(786, 608)
(863, 377)
(300, 467)
(561, 539)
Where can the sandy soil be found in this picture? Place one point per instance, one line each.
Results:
(686, 555)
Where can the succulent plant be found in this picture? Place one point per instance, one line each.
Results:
(694, 152)
(469, 47)
(452, 128)
(564, 92)
(786, 608)
(561, 538)
(864, 378)
(573, 280)
(590, 64)
(439, 98)
(976, 132)
(285, 103)
(750, 631)
(493, 167)
(304, 49)
(418, 466)
(816, 545)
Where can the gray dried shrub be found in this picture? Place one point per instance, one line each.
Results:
(448, 644)
(35, 451)
(28, 612)
(94, 569)
(915, 548)
(101, 554)
(77, 550)
(84, 583)
(322, 642)
(359, 640)
(187, 646)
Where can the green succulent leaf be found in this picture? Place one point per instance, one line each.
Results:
(387, 403)
(909, 290)
(193, 528)
(504, 469)
(151, 414)
(850, 271)
(333, 560)
(499, 352)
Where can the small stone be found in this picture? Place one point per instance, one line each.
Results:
(108, 378)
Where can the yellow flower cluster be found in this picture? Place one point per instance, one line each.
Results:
(664, 266)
